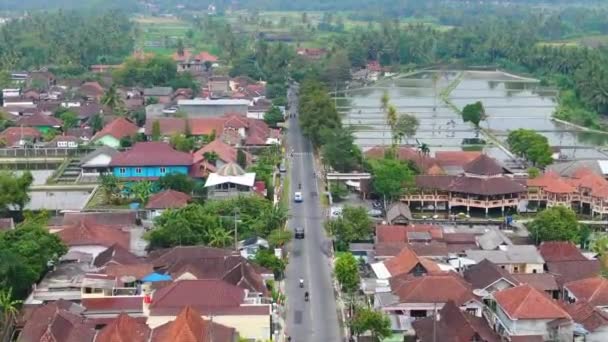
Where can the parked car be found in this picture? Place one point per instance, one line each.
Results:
(297, 197)
(299, 233)
(374, 213)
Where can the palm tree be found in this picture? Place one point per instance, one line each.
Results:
(141, 191)
(406, 126)
(391, 121)
(424, 149)
(274, 217)
(219, 237)
(112, 98)
(9, 306)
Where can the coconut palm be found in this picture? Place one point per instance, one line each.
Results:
(391, 121)
(424, 149)
(219, 237)
(9, 306)
(112, 98)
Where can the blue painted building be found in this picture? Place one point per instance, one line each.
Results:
(150, 161)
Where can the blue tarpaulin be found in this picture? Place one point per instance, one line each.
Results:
(154, 277)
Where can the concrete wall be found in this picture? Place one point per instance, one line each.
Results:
(255, 327)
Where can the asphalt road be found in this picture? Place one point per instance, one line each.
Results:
(316, 320)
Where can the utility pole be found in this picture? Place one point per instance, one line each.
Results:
(236, 231)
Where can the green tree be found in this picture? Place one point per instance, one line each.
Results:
(14, 190)
(384, 101)
(354, 224)
(70, 120)
(530, 145)
(182, 143)
(110, 187)
(177, 181)
(279, 237)
(346, 270)
(156, 131)
(112, 99)
(49, 135)
(35, 248)
(474, 113)
(318, 113)
(406, 126)
(96, 123)
(390, 177)
(555, 224)
(533, 172)
(267, 259)
(126, 142)
(211, 157)
(338, 67)
(369, 320)
(340, 151)
(273, 116)
(151, 100)
(9, 306)
(219, 237)
(141, 191)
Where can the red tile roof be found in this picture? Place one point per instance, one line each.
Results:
(207, 296)
(203, 56)
(593, 290)
(151, 153)
(53, 322)
(553, 251)
(92, 89)
(113, 304)
(454, 325)
(198, 126)
(116, 255)
(386, 233)
(124, 329)
(553, 183)
(38, 119)
(188, 326)
(89, 233)
(567, 271)
(406, 261)
(585, 314)
(168, 199)
(225, 152)
(455, 158)
(12, 135)
(134, 270)
(484, 166)
(432, 288)
(526, 302)
(118, 128)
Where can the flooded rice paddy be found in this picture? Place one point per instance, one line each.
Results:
(511, 102)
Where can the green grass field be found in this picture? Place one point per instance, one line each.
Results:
(592, 41)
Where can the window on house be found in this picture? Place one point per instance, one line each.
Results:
(163, 170)
(138, 170)
(515, 269)
(417, 313)
(122, 170)
(471, 311)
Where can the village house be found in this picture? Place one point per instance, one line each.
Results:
(311, 53)
(168, 199)
(91, 91)
(42, 122)
(150, 161)
(161, 94)
(526, 311)
(405, 262)
(96, 163)
(113, 132)
(484, 184)
(590, 323)
(453, 324)
(19, 136)
(415, 297)
(515, 258)
(593, 291)
(229, 305)
(230, 180)
(488, 277)
(194, 63)
(213, 108)
(222, 153)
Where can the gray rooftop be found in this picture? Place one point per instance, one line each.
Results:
(158, 91)
(508, 255)
(219, 102)
(491, 239)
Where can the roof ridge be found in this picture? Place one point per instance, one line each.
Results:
(602, 284)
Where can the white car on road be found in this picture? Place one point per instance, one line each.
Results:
(297, 197)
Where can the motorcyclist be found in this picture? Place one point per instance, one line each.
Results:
(306, 296)
(299, 186)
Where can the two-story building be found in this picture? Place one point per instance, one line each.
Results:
(150, 161)
(526, 311)
(230, 180)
